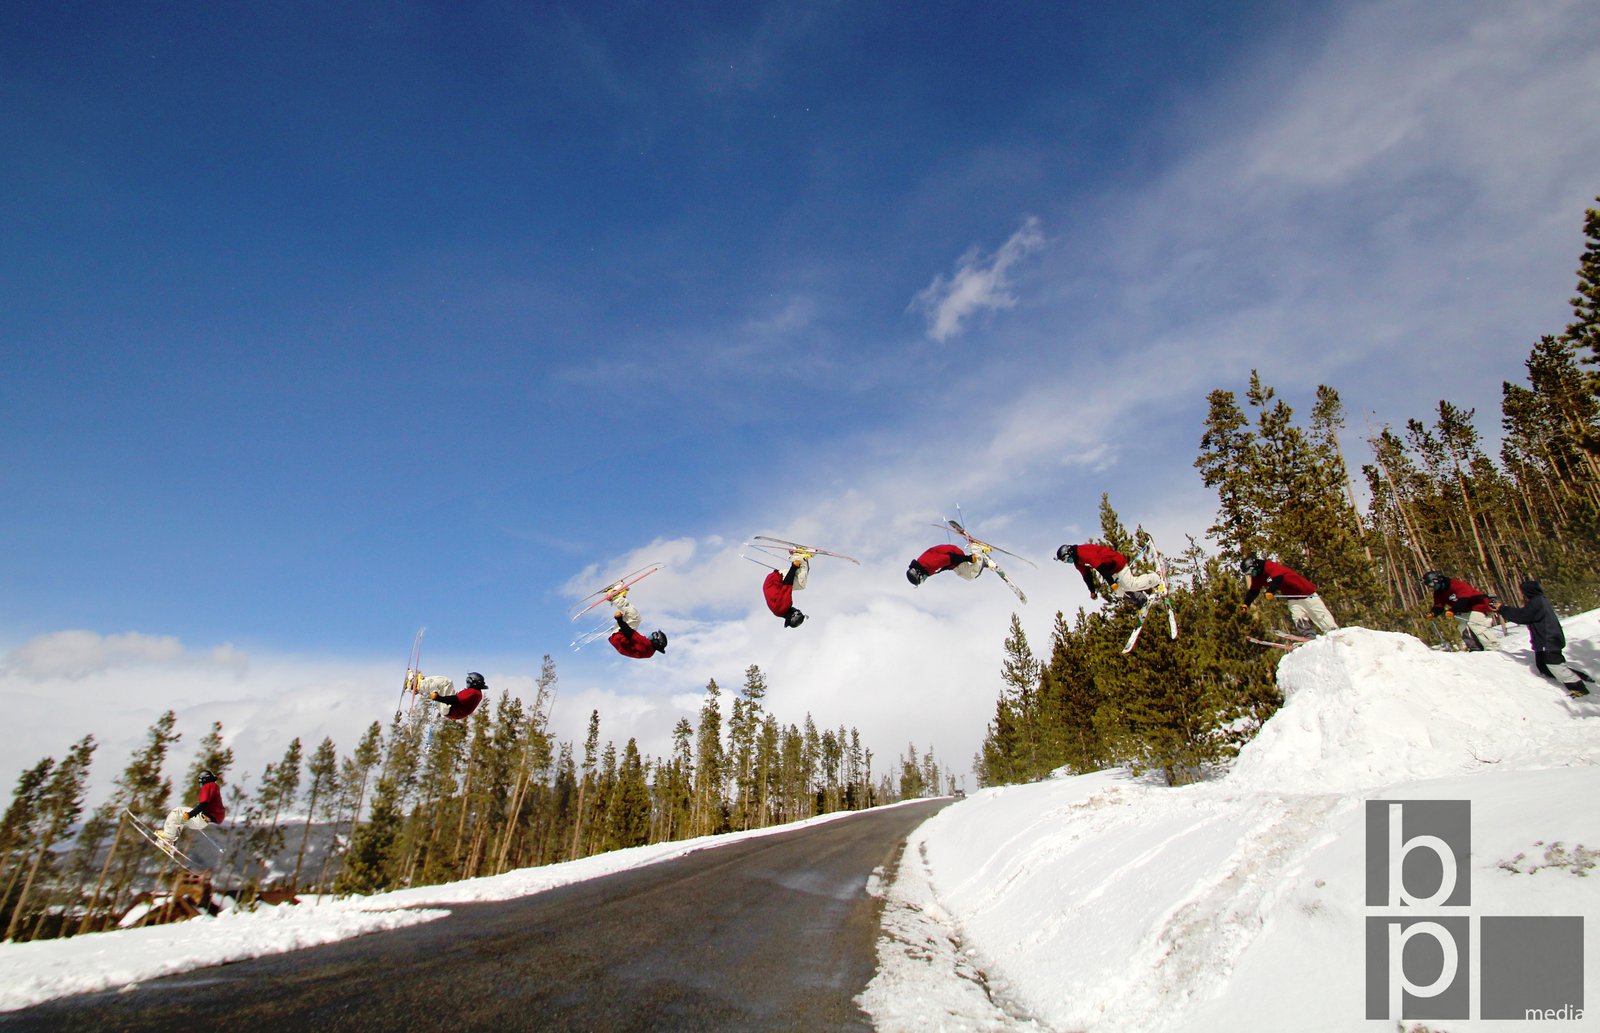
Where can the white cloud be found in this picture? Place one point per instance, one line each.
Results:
(76, 654)
(979, 283)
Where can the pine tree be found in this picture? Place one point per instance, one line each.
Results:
(629, 818)
(709, 766)
(141, 789)
(60, 803)
(324, 771)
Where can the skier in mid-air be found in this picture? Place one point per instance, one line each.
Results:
(458, 706)
(1306, 608)
(208, 810)
(779, 588)
(1548, 638)
(627, 640)
(1453, 597)
(946, 557)
(1112, 566)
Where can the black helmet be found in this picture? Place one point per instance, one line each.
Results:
(1252, 565)
(659, 640)
(915, 574)
(794, 618)
(475, 681)
(207, 776)
(1435, 580)
(1067, 554)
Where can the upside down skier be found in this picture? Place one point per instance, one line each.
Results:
(947, 557)
(1548, 638)
(458, 706)
(1471, 608)
(1112, 567)
(779, 588)
(1271, 579)
(627, 640)
(208, 810)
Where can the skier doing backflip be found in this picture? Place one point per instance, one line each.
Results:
(458, 706)
(1307, 609)
(780, 587)
(627, 640)
(1548, 638)
(1453, 597)
(208, 810)
(946, 557)
(1112, 566)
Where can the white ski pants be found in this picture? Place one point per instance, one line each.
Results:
(978, 564)
(802, 573)
(178, 819)
(1475, 628)
(1127, 581)
(628, 612)
(1312, 610)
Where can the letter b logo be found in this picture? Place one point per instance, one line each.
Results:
(1418, 853)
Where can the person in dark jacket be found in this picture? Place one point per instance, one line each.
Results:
(208, 810)
(460, 705)
(1548, 638)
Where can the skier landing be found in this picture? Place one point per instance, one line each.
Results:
(208, 810)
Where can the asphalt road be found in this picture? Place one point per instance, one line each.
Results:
(772, 933)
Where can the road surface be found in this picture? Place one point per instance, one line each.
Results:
(771, 933)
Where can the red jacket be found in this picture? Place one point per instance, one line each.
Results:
(780, 597)
(632, 644)
(210, 803)
(941, 557)
(466, 702)
(1459, 597)
(1279, 580)
(1092, 558)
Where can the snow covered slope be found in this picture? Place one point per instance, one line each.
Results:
(1104, 902)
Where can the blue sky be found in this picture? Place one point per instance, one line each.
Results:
(323, 323)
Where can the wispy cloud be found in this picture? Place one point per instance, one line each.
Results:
(981, 282)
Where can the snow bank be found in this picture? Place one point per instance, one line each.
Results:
(1369, 708)
(1108, 903)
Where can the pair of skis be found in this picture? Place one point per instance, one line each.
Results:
(978, 545)
(780, 547)
(1158, 597)
(161, 843)
(609, 594)
(1291, 643)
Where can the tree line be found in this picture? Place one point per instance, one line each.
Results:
(1435, 499)
(426, 801)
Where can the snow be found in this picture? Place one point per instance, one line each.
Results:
(1111, 903)
(1106, 902)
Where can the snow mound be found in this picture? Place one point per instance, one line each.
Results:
(1367, 708)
